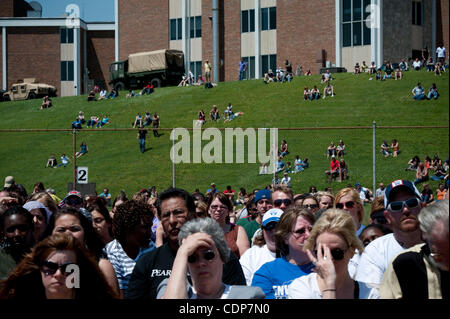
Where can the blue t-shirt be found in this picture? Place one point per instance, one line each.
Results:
(275, 277)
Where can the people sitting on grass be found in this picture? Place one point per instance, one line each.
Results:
(333, 172)
(91, 96)
(340, 149)
(280, 165)
(300, 165)
(421, 174)
(432, 92)
(131, 94)
(343, 170)
(413, 163)
(403, 65)
(64, 161)
(233, 116)
(102, 94)
(364, 67)
(103, 122)
(378, 75)
(283, 149)
(357, 69)
(286, 180)
(147, 118)
(364, 193)
(148, 89)
(184, 80)
(385, 150)
(308, 72)
(92, 121)
(430, 65)
(138, 120)
(418, 92)
(398, 74)
(417, 64)
(306, 93)
(81, 117)
(76, 124)
(46, 102)
(288, 168)
(328, 90)
(214, 114)
(201, 118)
(395, 148)
(51, 162)
(228, 111)
(113, 94)
(83, 149)
(388, 71)
(326, 76)
(314, 94)
(331, 150)
(372, 68)
(267, 79)
(438, 69)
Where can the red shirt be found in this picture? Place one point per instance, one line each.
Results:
(334, 165)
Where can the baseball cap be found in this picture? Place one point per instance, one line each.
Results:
(70, 194)
(398, 184)
(272, 215)
(357, 184)
(9, 181)
(262, 194)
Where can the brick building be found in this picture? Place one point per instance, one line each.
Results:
(313, 34)
(71, 56)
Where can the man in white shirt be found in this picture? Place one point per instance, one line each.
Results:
(258, 255)
(417, 65)
(402, 203)
(440, 51)
(286, 180)
(380, 191)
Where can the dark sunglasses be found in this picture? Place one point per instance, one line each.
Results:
(301, 231)
(270, 226)
(50, 268)
(285, 201)
(349, 204)
(336, 253)
(207, 255)
(310, 206)
(397, 207)
(73, 202)
(21, 228)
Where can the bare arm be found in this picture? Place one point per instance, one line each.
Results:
(110, 275)
(242, 240)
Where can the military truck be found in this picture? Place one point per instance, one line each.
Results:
(161, 67)
(29, 89)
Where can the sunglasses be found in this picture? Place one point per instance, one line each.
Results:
(349, 204)
(74, 202)
(301, 231)
(397, 207)
(21, 228)
(336, 253)
(216, 207)
(207, 255)
(310, 206)
(279, 202)
(50, 268)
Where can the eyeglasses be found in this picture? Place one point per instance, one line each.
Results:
(279, 202)
(270, 226)
(21, 228)
(216, 207)
(310, 206)
(207, 255)
(349, 204)
(301, 231)
(50, 268)
(336, 253)
(397, 207)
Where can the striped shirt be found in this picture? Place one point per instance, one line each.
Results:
(122, 264)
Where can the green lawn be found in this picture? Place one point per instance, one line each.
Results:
(115, 162)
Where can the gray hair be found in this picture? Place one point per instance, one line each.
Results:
(433, 213)
(208, 226)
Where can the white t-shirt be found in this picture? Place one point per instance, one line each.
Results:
(440, 52)
(306, 287)
(376, 258)
(416, 64)
(253, 259)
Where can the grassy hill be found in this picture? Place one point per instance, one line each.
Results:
(115, 162)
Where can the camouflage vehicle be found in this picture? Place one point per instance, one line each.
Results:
(29, 89)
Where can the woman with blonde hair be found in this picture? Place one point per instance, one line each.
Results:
(325, 199)
(330, 247)
(348, 199)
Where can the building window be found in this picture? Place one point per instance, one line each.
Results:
(196, 68)
(176, 29)
(66, 35)
(67, 70)
(269, 18)
(417, 13)
(248, 21)
(250, 72)
(268, 62)
(355, 22)
(196, 27)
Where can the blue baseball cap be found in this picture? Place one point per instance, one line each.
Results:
(397, 184)
(262, 194)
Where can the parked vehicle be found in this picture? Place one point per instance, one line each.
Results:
(29, 89)
(161, 67)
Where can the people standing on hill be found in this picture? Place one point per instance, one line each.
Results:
(156, 123)
(142, 133)
(242, 69)
(207, 67)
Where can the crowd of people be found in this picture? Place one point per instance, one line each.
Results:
(268, 244)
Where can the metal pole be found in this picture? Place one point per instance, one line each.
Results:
(374, 129)
(173, 163)
(74, 159)
(215, 39)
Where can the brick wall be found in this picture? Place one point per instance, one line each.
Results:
(304, 28)
(143, 26)
(6, 8)
(442, 8)
(34, 53)
(397, 30)
(100, 54)
(232, 39)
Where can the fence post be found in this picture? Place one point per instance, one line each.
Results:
(74, 133)
(374, 150)
(173, 163)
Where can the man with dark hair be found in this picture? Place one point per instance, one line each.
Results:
(175, 207)
(263, 201)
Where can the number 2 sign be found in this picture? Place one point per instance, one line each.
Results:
(82, 175)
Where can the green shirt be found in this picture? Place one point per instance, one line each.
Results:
(251, 228)
(7, 264)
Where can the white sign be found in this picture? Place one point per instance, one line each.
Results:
(82, 175)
